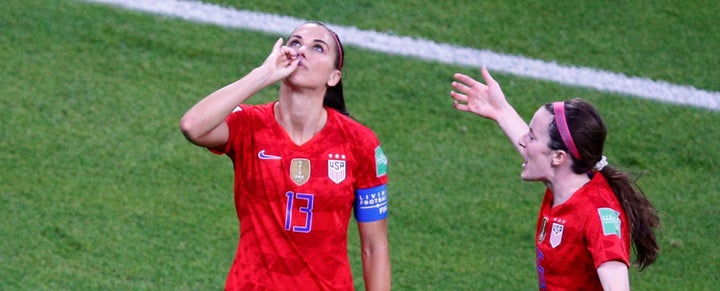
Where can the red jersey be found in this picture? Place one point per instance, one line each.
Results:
(574, 238)
(294, 201)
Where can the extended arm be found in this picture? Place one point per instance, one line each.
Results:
(488, 100)
(204, 124)
(375, 255)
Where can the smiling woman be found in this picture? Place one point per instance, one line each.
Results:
(301, 167)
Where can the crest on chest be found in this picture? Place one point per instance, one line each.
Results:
(556, 233)
(300, 171)
(337, 166)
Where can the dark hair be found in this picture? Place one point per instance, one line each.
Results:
(334, 97)
(588, 132)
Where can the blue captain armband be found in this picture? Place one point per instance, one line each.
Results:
(371, 204)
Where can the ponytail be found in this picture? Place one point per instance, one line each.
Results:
(641, 214)
(334, 99)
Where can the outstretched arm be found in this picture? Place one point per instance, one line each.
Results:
(375, 254)
(204, 124)
(488, 101)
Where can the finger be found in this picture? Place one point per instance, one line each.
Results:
(294, 63)
(285, 56)
(289, 53)
(461, 87)
(465, 79)
(278, 44)
(458, 97)
(461, 107)
(487, 77)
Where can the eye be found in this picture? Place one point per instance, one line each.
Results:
(319, 48)
(531, 137)
(294, 43)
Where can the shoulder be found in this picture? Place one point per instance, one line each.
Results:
(597, 198)
(254, 108)
(251, 111)
(353, 129)
(598, 189)
(363, 142)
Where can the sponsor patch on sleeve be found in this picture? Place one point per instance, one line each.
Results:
(371, 204)
(610, 220)
(381, 162)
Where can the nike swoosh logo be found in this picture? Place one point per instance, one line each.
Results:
(264, 156)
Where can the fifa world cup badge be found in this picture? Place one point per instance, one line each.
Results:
(541, 237)
(300, 171)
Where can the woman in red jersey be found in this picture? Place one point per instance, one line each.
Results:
(302, 166)
(591, 212)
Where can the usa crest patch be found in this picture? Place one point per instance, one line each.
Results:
(556, 233)
(337, 168)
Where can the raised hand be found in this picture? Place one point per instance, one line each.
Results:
(281, 62)
(486, 100)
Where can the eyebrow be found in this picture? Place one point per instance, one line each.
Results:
(316, 40)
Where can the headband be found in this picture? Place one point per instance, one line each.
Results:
(561, 122)
(340, 52)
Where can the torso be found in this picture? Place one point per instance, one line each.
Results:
(294, 201)
(571, 241)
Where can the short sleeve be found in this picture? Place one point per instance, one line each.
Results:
(237, 117)
(372, 164)
(371, 196)
(605, 237)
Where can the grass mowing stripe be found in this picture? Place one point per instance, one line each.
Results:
(433, 51)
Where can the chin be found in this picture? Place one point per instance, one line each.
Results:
(523, 176)
(526, 177)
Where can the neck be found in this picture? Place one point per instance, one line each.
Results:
(564, 187)
(302, 116)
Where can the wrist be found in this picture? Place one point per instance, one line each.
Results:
(262, 75)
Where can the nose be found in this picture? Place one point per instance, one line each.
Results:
(521, 142)
(300, 50)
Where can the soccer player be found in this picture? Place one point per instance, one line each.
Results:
(302, 167)
(591, 212)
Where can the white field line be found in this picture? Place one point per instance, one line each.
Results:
(433, 51)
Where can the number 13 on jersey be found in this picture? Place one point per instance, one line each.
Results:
(304, 203)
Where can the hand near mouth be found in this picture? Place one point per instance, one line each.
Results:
(281, 62)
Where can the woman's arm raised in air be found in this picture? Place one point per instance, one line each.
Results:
(488, 101)
(204, 124)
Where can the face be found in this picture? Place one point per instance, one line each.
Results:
(538, 156)
(316, 50)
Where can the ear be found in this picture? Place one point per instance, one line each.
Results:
(559, 158)
(334, 78)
